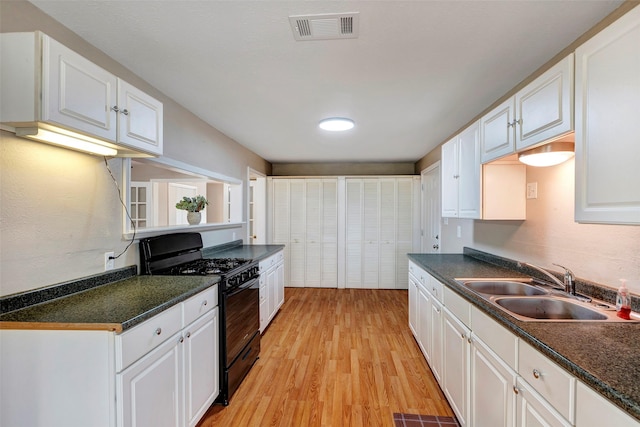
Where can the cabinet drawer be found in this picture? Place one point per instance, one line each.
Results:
(502, 341)
(420, 275)
(435, 288)
(457, 305)
(553, 383)
(133, 344)
(200, 304)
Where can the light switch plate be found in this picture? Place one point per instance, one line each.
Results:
(532, 190)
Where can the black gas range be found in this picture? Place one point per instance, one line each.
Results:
(180, 254)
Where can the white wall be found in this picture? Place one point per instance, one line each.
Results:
(59, 209)
(595, 252)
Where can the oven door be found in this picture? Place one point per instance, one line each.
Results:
(242, 317)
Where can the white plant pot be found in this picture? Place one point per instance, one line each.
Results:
(194, 218)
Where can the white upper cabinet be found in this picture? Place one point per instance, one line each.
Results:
(462, 175)
(76, 93)
(496, 131)
(46, 82)
(140, 123)
(607, 137)
(542, 110)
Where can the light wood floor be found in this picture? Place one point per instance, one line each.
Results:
(335, 357)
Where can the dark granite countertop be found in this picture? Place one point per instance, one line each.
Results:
(605, 356)
(238, 250)
(114, 306)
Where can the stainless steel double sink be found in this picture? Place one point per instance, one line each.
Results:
(529, 301)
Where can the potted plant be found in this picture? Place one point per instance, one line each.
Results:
(193, 206)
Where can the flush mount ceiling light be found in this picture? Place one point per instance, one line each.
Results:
(551, 154)
(336, 124)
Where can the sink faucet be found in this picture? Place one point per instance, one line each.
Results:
(569, 284)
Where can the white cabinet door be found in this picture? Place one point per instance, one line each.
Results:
(76, 92)
(496, 132)
(492, 395)
(544, 108)
(201, 366)
(469, 173)
(437, 352)
(593, 410)
(456, 365)
(449, 177)
(151, 388)
(607, 136)
(424, 327)
(413, 306)
(140, 122)
(280, 284)
(533, 411)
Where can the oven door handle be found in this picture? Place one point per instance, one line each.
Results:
(243, 287)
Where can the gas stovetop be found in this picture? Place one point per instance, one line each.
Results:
(204, 267)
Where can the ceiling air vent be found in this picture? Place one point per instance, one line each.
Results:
(325, 26)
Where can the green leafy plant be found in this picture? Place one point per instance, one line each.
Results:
(192, 204)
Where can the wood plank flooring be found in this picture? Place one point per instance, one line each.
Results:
(335, 357)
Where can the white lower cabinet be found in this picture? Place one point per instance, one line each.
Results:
(457, 339)
(593, 410)
(162, 372)
(437, 340)
(533, 410)
(271, 288)
(150, 390)
(492, 388)
(174, 384)
(424, 332)
(490, 377)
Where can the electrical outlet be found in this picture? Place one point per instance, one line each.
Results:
(532, 190)
(109, 261)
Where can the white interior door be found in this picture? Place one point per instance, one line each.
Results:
(431, 213)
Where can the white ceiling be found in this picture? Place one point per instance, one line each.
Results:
(418, 71)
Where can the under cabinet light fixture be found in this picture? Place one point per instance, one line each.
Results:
(551, 154)
(67, 139)
(336, 124)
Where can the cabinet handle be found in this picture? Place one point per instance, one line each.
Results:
(115, 108)
(125, 112)
(158, 331)
(462, 335)
(536, 374)
(516, 390)
(188, 334)
(469, 340)
(204, 302)
(181, 339)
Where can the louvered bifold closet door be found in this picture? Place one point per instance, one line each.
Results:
(387, 233)
(298, 231)
(281, 224)
(313, 264)
(354, 233)
(371, 244)
(329, 234)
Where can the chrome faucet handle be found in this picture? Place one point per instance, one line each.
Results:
(569, 280)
